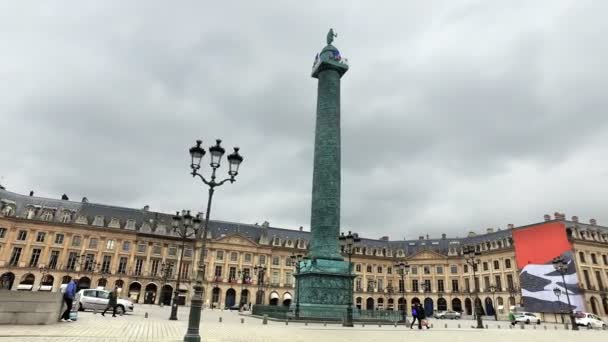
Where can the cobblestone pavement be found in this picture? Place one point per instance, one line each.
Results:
(92, 327)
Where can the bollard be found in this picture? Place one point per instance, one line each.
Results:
(446, 326)
(363, 325)
(220, 319)
(522, 325)
(566, 326)
(534, 327)
(265, 319)
(395, 324)
(510, 326)
(556, 327)
(379, 325)
(286, 322)
(431, 325)
(545, 327)
(146, 315)
(486, 326)
(458, 325)
(324, 324)
(499, 326)
(242, 320)
(306, 323)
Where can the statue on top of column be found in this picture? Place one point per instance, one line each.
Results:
(330, 36)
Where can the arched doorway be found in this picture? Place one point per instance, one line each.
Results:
(390, 305)
(259, 296)
(442, 304)
(119, 283)
(244, 297)
(369, 304)
(605, 305)
(165, 294)
(500, 305)
(287, 299)
(358, 302)
(215, 297)
(511, 302)
(46, 284)
(415, 301)
(401, 304)
(468, 306)
(150, 295)
(134, 291)
(456, 305)
(595, 306)
(84, 283)
(274, 298)
(479, 306)
(380, 304)
(489, 306)
(102, 283)
(65, 279)
(7, 280)
(428, 307)
(230, 298)
(27, 282)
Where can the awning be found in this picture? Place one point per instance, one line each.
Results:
(287, 296)
(274, 295)
(183, 287)
(23, 287)
(46, 288)
(500, 307)
(101, 288)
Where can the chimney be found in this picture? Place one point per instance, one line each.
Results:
(146, 207)
(31, 193)
(471, 234)
(547, 217)
(574, 218)
(489, 230)
(421, 237)
(64, 197)
(384, 238)
(510, 226)
(301, 228)
(85, 200)
(265, 224)
(592, 222)
(443, 236)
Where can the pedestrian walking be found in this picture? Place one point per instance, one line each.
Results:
(68, 298)
(416, 316)
(422, 318)
(512, 317)
(112, 302)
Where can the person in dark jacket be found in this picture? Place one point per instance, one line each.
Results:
(112, 303)
(422, 318)
(68, 298)
(416, 316)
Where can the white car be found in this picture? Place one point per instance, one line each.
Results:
(526, 317)
(447, 314)
(589, 320)
(98, 300)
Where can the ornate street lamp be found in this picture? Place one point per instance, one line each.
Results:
(558, 292)
(295, 261)
(471, 256)
(186, 226)
(561, 265)
(234, 160)
(348, 244)
(493, 289)
(260, 271)
(403, 269)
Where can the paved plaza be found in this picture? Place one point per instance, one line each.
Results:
(135, 327)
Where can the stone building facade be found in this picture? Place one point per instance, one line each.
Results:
(45, 242)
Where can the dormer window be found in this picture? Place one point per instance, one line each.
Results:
(47, 215)
(66, 216)
(114, 223)
(130, 224)
(276, 241)
(289, 243)
(98, 221)
(82, 220)
(30, 213)
(8, 210)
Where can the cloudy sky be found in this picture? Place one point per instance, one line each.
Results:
(456, 115)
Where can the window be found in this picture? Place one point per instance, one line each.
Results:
(440, 285)
(465, 268)
(126, 246)
(66, 217)
(53, 260)
(426, 269)
(593, 258)
(414, 269)
(467, 284)
(358, 268)
(156, 249)
(455, 285)
(188, 252)
(35, 257)
(379, 269)
(105, 264)
(141, 248)
(380, 284)
(76, 241)
(22, 235)
(232, 274)
(389, 270)
(369, 268)
(508, 263)
(454, 269)
(288, 278)
(122, 265)
(110, 244)
(496, 264)
(581, 256)
(498, 283)
(15, 255)
(275, 277)
(598, 277)
(2, 233)
(40, 236)
(475, 268)
(485, 266)
(139, 265)
(172, 251)
(248, 258)
(288, 262)
(427, 285)
(414, 285)
(486, 282)
(219, 255)
(154, 270)
(603, 256)
(476, 280)
(439, 269)
(218, 271)
(185, 270)
(587, 280)
(72, 257)
(262, 259)
(47, 216)
(89, 262)
(510, 281)
(358, 284)
(401, 286)
(234, 256)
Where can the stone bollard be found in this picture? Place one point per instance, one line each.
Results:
(545, 327)
(522, 325)
(458, 325)
(510, 326)
(286, 322)
(242, 320)
(306, 323)
(556, 327)
(395, 324)
(324, 324)
(534, 327)
(220, 320)
(362, 325)
(566, 326)
(146, 315)
(379, 325)
(265, 319)
(498, 326)
(446, 326)
(486, 326)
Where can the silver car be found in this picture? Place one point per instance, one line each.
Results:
(448, 314)
(98, 300)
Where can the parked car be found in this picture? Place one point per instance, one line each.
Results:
(526, 317)
(589, 320)
(98, 300)
(447, 314)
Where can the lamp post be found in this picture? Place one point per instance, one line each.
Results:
(561, 265)
(295, 260)
(234, 160)
(186, 226)
(558, 292)
(403, 269)
(164, 276)
(471, 256)
(260, 271)
(348, 245)
(243, 276)
(493, 289)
